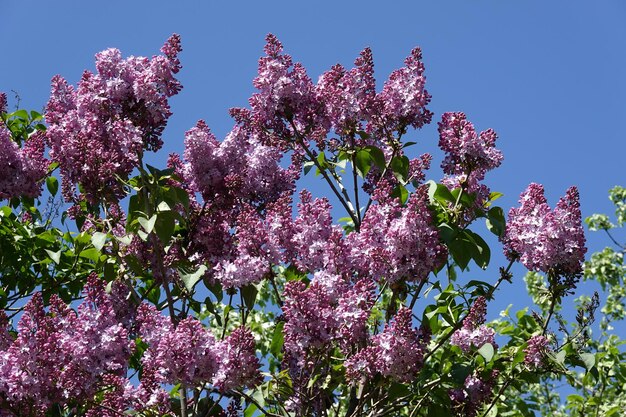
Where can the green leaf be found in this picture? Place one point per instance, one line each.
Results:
(53, 185)
(92, 254)
(363, 162)
(495, 221)
(98, 239)
(487, 351)
(481, 253)
(377, 156)
(400, 167)
(589, 359)
(191, 279)
(148, 224)
(439, 193)
(401, 193)
(278, 338)
(55, 256)
(249, 293)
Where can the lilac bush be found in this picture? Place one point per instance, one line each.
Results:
(223, 288)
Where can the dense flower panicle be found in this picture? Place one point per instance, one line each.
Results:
(349, 96)
(99, 130)
(95, 342)
(238, 365)
(240, 166)
(330, 310)
(286, 93)
(3, 102)
(61, 356)
(536, 350)
(404, 97)
(398, 242)
(475, 392)
(474, 333)
(543, 239)
(310, 320)
(21, 169)
(315, 242)
(396, 353)
(466, 151)
(167, 360)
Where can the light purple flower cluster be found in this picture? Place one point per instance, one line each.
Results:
(238, 167)
(397, 243)
(99, 130)
(536, 350)
(475, 392)
(349, 96)
(329, 311)
(61, 356)
(395, 353)
(543, 239)
(404, 97)
(200, 359)
(474, 333)
(21, 169)
(286, 94)
(3, 102)
(466, 151)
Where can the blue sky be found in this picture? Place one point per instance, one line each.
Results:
(548, 76)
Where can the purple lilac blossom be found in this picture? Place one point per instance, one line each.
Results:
(99, 130)
(474, 333)
(404, 98)
(21, 169)
(396, 353)
(467, 152)
(399, 242)
(536, 350)
(544, 239)
(61, 356)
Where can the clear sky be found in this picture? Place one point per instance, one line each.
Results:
(548, 76)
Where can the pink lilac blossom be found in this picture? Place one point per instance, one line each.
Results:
(396, 353)
(544, 239)
(169, 361)
(475, 392)
(61, 357)
(286, 95)
(315, 242)
(474, 333)
(404, 97)
(238, 365)
(536, 350)
(3, 102)
(466, 151)
(99, 130)
(349, 96)
(21, 169)
(238, 167)
(398, 242)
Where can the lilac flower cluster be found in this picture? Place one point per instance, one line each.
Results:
(474, 333)
(21, 169)
(395, 353)
(399, 243)
(61, 356)
(543, 239)
(239, 167)
(201, 359)
(98, 131)
(475, 392)
(329, 311)
(536, 350)
(466, 151)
